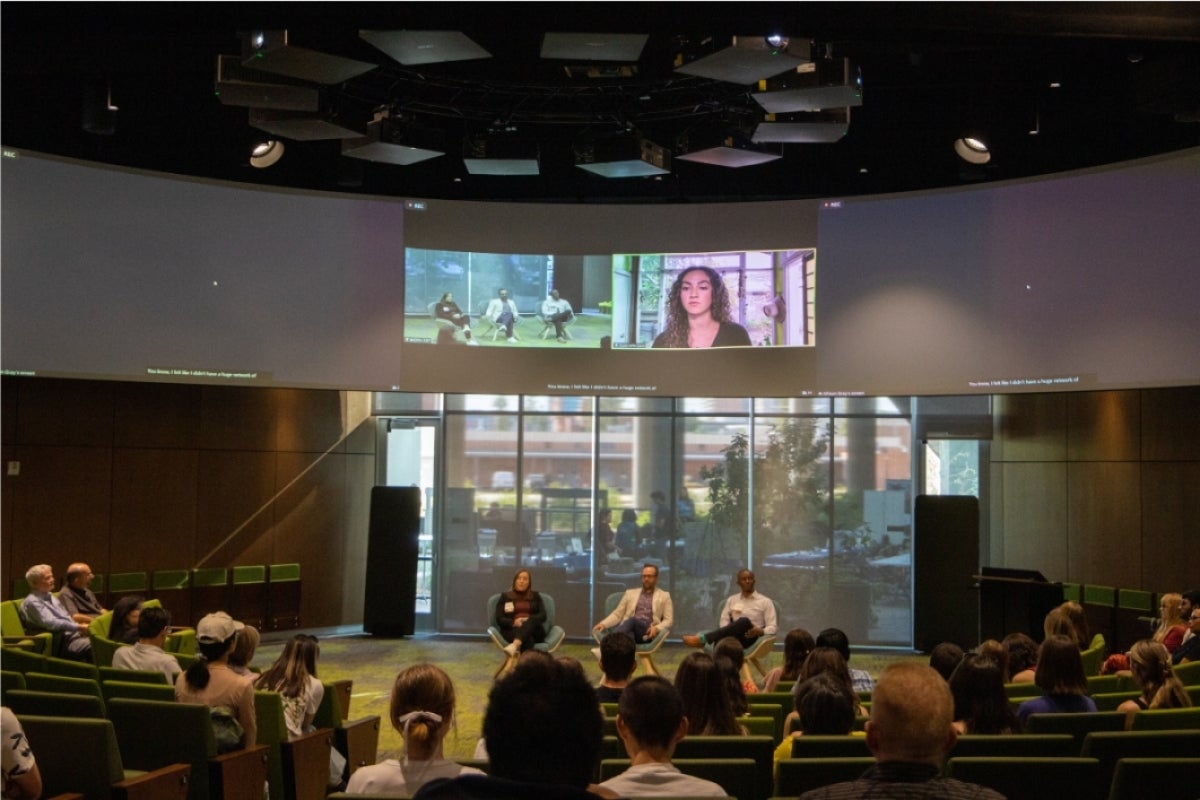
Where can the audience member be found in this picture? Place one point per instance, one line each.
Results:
(1188, 601)
(837, 639)
(746, 616)
(1190, 649)
(796, 646)
(125, 614)
(1150, 664)
(618, 655)
(731, 660)
(1059, 675)
(1171, 627)
(543, 728)
(41, 609)
(643, 612)
(521, 615)
(21, 778)
(210, 681)
(992, 649)
(706, 701)
(980, 702)
(944, 657)
(1020, 653)
(1058, 623)
(243, 652)
(824, 707)
(147, 653)
(77, 597)
(822, 660)
(1078, 624)
(294, 677)
(910, 731)
(558, 312)
(650, 722)
(422, 712)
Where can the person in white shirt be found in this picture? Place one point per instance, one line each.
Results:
(20, 776)
(557, 312)
(422, 711)
(502, 312)
(650, 722)
(148, 654)
(747, 616)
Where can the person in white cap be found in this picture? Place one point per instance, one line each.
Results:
(211, 682)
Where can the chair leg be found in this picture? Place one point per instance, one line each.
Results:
(649, 665)
(508, 663)
(762, 672)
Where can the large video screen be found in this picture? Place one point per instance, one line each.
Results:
(1081, 281)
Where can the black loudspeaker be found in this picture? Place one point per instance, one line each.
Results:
(945, 561)
(392, 547)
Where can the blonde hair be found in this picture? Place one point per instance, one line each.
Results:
(1150, 664)
(912, 712)
(422, 688)
(1171, 617)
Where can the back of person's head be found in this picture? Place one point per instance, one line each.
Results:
(1192, 596)
(992, 649)
(629, 515)
(543, 725)
(1058, 623)
(977, 686)
(796, 646)
(826, 659)
(1078, 617)
(835, 638)
(245, 647)
(1020, 653)
(1060, 667)
(944, 657)
(296, 663)
(731, 670)
(152, 622)
(422, 706)
(705, 694)
(731, 648)
(651, 708)
(618, 654)
(1150, 664)
(912, 714)
(825, 705)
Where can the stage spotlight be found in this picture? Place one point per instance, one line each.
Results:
(972, 149)
(266, 153)
(776, 41)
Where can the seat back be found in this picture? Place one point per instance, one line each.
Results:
(103, 648)
(46, 682)
(1133, 606)
(772, 710)
(357, 740)
(12, 628)
(1078, 725)
(54, 704)
(795, 776)
(759, 726)
(1058, 745)
(1101, 684)
(760, 749)
(1188, 673)
(554, 633)
(1111, 746)
(153, 734)
(1108, 701)
(295, 771)
(830, 747)
(1172, 778)
(75, 755)
(171, 587)
(283, 597)
(123, 583)
(137, 690)
(1167, 719)
(210, 592)
(1025, 778)
(248, 595)
(19, 659)
(138, 675)
(71, 669)
(736, 776)
(1093, 657)
(11, 679)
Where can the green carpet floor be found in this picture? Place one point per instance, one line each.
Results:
(372, 663)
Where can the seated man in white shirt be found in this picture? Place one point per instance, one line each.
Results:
(148, 654)
(41, 609)
(650, 722)
(747, 616)
(557, 312)
(502, 312)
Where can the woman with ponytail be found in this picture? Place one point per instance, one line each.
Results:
(1150, 664)
(422, 711)
(210, 681)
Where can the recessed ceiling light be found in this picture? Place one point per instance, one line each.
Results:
(972, 150)
(264, 154)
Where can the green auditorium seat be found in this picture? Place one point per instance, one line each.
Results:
(1167, 719)
(297, 767)
(357, 741)
(54, 704)
(1171, 779)
(1028, 778)
(794, 776)
(1077, 725)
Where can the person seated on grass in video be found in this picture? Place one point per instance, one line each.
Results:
(650, 722)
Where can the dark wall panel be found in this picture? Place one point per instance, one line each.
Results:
(154, 509)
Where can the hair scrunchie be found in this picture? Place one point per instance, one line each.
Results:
(415, 716)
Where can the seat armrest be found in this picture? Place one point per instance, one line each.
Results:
(239, 774)
(166, 783)
(306, 764)
(358, 741)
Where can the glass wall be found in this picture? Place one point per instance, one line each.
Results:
(815, 497)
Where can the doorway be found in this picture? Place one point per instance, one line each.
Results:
(411, 459)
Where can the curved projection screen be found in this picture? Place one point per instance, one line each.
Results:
(1083, 281)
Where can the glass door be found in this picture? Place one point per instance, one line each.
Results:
(411, 460)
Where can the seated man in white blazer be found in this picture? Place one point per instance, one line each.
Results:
(642, 613)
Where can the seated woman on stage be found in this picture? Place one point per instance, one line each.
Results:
(448, 310)
(520, 615)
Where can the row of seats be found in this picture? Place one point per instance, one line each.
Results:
(267, 597)
(1121, 616)
(152, 732)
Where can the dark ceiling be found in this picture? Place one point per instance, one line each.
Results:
(1127, 75)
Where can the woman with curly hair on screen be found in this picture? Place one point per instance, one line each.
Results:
(698, 313)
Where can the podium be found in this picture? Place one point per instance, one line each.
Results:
(1015, 601)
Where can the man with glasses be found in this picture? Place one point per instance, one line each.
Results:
(1190, 649)
(642, 613)
(79, 600)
